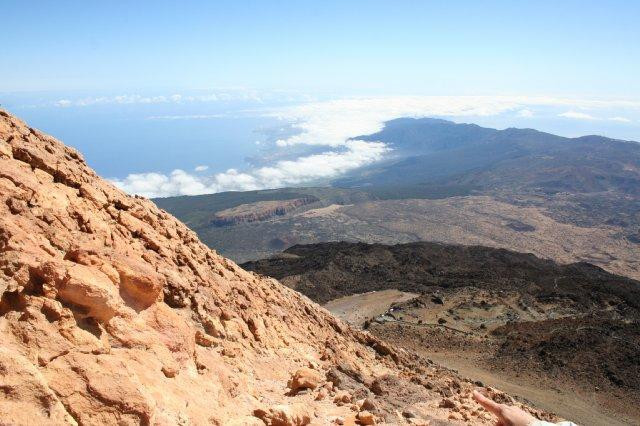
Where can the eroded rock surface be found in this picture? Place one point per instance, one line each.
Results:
(258, 211)
(113, 312)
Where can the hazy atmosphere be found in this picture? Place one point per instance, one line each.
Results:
(189, 98)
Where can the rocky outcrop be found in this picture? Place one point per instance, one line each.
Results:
(259, 211)
(305, 378)
(330, 270)
(113, 312)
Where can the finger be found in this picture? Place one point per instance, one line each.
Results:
(488, 404)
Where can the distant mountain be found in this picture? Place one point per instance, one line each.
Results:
(438, 152)
(454, 183)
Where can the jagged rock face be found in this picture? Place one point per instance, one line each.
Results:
(258, 211)
(113, 312)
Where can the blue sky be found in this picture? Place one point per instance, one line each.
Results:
(189, 97)
(356, 47)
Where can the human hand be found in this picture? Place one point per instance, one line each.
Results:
(507, 415)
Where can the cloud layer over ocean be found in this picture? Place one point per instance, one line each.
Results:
(351, 155)
(332, 124)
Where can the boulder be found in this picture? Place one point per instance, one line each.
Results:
(366, 418)
(305, 378)
(285, 415)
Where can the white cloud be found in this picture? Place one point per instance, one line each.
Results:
(526, 113)
(138, 99)
(201, 168)
(283, 173)
(237, 94)
(63, 103)
(334, 122)
(585, 116)
(577, 115)
(187, 117)
(328, 123)
(124, 100)
(120, 99)
(620, 119)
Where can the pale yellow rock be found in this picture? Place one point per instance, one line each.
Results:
(305, 378)
(366, 418)
(26, 392)
(91, 289)
(286, 415)
(342, 397)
